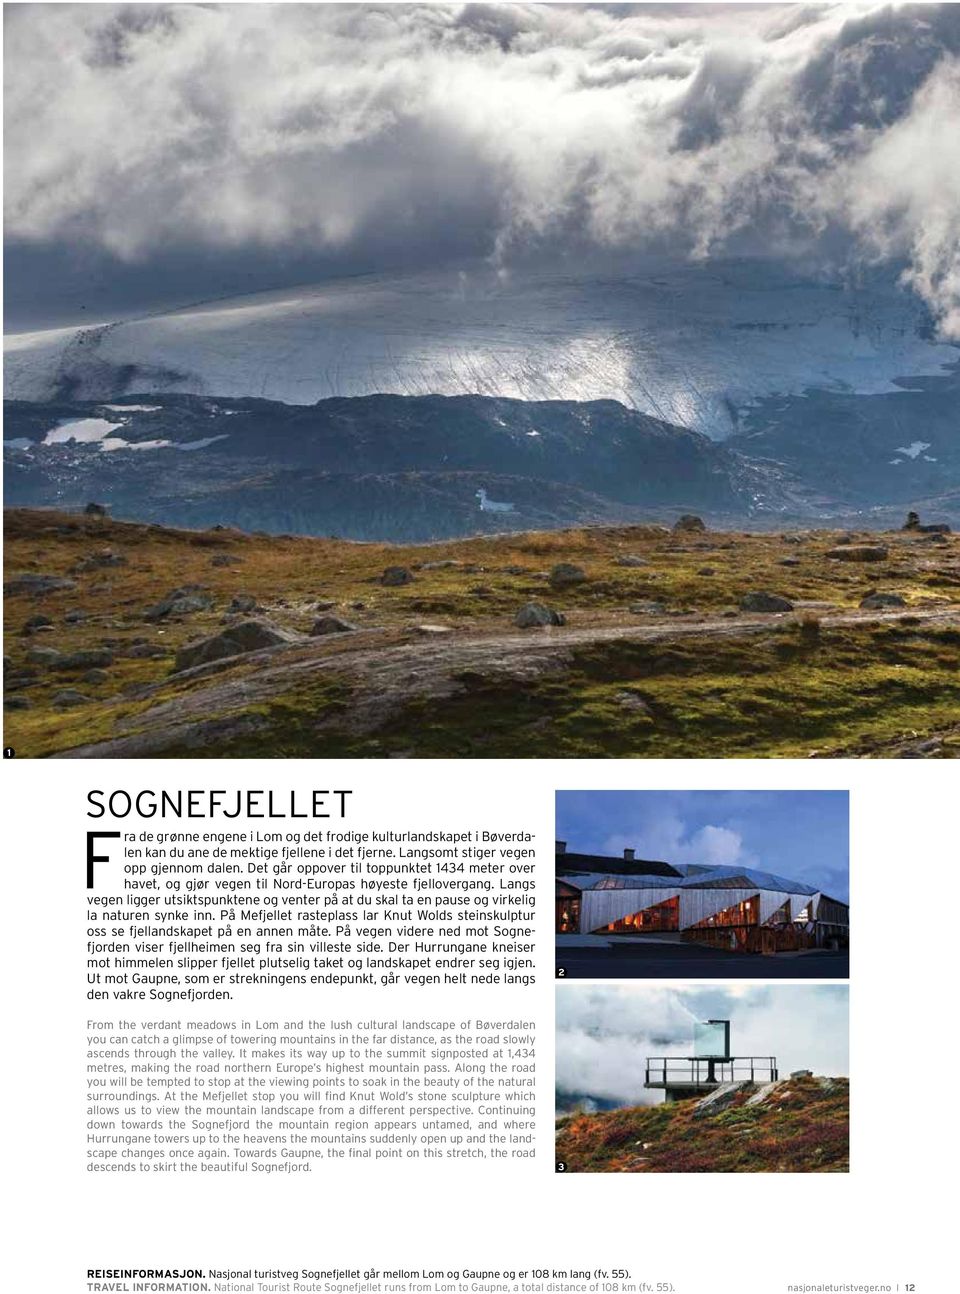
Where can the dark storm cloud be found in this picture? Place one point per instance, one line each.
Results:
(234, 147)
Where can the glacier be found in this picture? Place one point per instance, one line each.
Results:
(694, 344)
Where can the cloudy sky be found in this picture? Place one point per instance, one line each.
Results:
(159, 154)
(606, 1032)
(803, 835)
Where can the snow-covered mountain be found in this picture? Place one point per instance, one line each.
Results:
(694, 345)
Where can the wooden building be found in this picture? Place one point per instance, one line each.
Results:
(738, 908)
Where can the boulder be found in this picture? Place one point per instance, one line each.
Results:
(69, 697)
(647, 609)
(89, 658)
(859, 552)
(245, 636)
(635, 704)
(876, 601)
(789, 561)
(535, 614)
(35, 622)
(43, 655)
(395, 577)
(76, 616)
(689, 522)
(719, 1099)
(242, 602)
(105, 558)
(17, 703)
(331, 625)
(95, 676)
(630, 559)
(565, 575)
(324, 606)
(446, 564)
(37, 585)
(144, 651)
(181, 602)
(760, 600)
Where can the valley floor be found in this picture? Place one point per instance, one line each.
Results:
(656, 657)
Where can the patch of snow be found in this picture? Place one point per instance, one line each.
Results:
(200, 444)
(533, 433)
(117, 442)
(914, 449)
(20, 442)
(83, 431)
(928, 459)
(133, 408)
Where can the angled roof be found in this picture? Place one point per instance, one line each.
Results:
(743, 878)
(569, 864)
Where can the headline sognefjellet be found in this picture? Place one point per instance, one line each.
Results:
(209, 803)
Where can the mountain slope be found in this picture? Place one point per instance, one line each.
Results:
(801, 1125)
(374, 467)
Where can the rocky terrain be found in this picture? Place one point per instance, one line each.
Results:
(797, 1125)
(126, 639)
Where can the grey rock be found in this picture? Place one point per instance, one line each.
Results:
(43, 655)
(34, 623)
(689, 522)
(565, 575)
(635, 704)
(707, 570)
(89, 658)
(144, 651)
(647, 609)
(876, 601)
(760, 600)
(95, 676)
(17, 703)
(237, 640)
(37, 585)
(724, 1096)
(789, 561)
(69, 697)
(242, 602)
(106, 557)
(324, 606)
(76, 616)
(630, 559)
(535, 614)
(859, 552)
(440, 566)
(331, 625)
(180, 602)
(396, 576)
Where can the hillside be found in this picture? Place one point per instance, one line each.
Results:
(799, 1125)
(126, 639)
(393, 468)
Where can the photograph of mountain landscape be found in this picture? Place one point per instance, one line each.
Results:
(482, 379)
(726, 1078)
